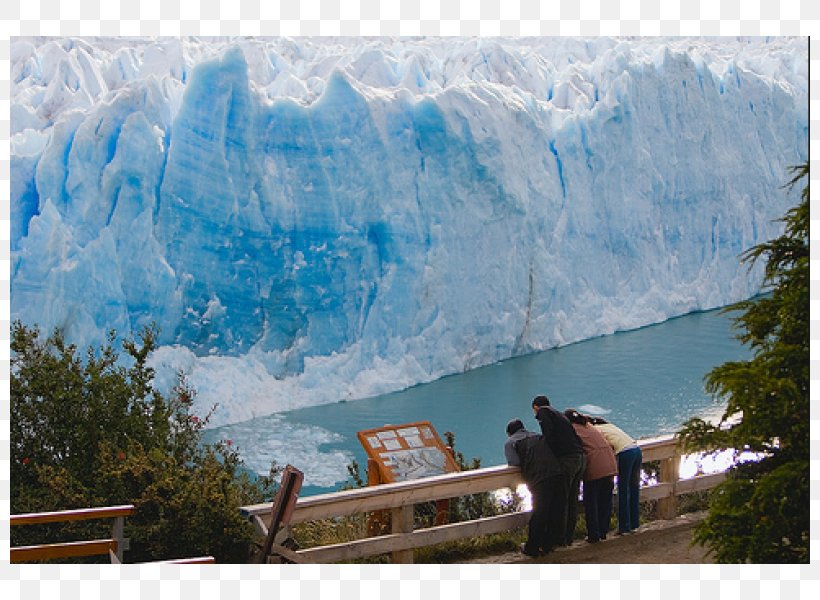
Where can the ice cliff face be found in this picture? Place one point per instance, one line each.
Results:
(311, 220)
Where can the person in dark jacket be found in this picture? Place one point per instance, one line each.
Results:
(565, 445)
(542, 473)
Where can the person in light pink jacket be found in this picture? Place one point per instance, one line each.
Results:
(598, 476)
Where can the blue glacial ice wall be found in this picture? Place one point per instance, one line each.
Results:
(312, 220)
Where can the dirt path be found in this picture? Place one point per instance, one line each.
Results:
(655, 542)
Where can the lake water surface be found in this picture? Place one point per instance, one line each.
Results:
(647, 381)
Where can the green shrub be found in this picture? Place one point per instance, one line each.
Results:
(94, 431)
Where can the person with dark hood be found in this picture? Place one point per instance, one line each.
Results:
(565, 445)
(542, 473)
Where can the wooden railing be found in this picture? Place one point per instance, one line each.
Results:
(399, 498)
(195, 560)
(115, 545)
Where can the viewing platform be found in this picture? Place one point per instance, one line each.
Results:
(400, 498)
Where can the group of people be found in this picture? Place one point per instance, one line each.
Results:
(573, 448)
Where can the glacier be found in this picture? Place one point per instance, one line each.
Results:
(311, 220)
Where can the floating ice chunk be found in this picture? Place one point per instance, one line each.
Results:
(593, 409)
(275, 440)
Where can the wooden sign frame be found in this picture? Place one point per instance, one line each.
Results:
(407, 451)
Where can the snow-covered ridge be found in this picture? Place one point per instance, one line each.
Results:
(315, 219)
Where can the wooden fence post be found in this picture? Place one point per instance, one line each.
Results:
(118, 533)
(377, 520)
(401, 519)
(669, 473)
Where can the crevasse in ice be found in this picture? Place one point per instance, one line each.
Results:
(308, 220)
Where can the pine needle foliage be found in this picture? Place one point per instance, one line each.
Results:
(760, 513)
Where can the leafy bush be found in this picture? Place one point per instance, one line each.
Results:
(94, 431)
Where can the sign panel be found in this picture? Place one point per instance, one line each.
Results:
(409, 451)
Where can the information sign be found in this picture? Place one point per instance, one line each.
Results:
(409, 451)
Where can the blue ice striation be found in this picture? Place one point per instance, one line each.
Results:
(316, 219)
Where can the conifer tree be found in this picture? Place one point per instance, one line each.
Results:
(760, 513)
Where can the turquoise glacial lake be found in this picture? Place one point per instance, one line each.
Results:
(648, 381)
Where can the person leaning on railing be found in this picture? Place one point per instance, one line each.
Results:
(629, 457)
(564, 442)
(599, 476)
(541, 472)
